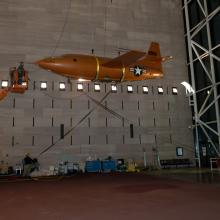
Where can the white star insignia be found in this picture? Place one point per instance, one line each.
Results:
(137, 71)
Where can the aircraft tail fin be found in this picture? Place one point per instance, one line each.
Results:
(155, 55)
(154, 50)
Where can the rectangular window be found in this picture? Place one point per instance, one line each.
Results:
(174, 91)
(43, 85)
(145, 89)
(79, 87)
(97, 87)
(113, 88)
(130, 89)
(62, 86)
(4, 83)
(160, 90)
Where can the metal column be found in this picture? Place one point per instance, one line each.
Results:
(212, 97)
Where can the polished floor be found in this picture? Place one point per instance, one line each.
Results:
(111, 197)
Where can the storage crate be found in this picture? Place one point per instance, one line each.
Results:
(93, 166)
(108, 166)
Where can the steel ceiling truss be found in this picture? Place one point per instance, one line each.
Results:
(206, 58)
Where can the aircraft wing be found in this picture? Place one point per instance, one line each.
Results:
(125, 59)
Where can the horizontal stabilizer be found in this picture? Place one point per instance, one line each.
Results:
(167, 58)
(125, 60)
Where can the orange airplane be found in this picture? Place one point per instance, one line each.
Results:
(131, 66)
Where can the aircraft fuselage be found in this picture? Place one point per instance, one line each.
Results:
(87, 67)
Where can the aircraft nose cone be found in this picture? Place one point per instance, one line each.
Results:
(45, 63)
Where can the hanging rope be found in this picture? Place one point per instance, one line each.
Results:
(108, 109)
(105, 28)
(63, 28)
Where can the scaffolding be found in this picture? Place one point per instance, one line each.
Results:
(202, 56)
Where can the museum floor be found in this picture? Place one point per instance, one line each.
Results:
(112, 197)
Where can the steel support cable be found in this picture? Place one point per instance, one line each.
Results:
(79, 122)
(98, 103)
(117, 115)
(63, 28)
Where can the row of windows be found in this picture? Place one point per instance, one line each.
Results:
(97, 87)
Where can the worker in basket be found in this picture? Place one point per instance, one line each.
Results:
(21, 73)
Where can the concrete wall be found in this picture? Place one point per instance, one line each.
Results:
(31, 30)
